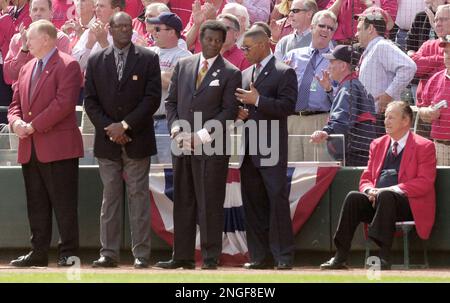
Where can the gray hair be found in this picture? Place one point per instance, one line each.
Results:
(324, 14)
(237, 10)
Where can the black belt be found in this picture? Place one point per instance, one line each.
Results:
(445, 142)
(159, 117)
(310, 113)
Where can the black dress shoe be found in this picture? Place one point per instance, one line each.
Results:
(259, 265)
(333, 263)
(174, 264)
(64, 261)
(140, 263)
(284, 266)
(30, 260)
(105, 261)
(210, 264)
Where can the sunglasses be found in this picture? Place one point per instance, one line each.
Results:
(158, 29)
(297, 10)
(246, 48)
(323, 26)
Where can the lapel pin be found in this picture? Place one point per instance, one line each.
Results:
(218, 71)
(214, 74)
(266, 73)
(135, 77)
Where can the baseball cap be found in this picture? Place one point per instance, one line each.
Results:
(444, 41)
(376, 13)
(345, 53)
(169, 19)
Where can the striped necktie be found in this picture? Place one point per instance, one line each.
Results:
(202, 73)
(35, 77)
(305, 86)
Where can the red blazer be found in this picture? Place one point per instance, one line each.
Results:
(51, 109)
(416, 177)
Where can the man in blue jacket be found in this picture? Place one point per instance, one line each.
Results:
(352, 110)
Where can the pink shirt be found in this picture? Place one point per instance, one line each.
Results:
(236, 56)
(437, 89)
(15, 58)
(429, 60)
(349, 8)
(183, 8)
(197, 45)
(63, 10)
(134, 8)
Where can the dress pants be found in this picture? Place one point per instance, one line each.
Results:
(199, 195)
(51, 187)
(268, 223)
(135, 173)
(390, 207)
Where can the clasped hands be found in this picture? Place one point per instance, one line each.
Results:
(185, 140)
(23, 129)
(116, 133)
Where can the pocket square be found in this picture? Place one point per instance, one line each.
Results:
(214, 83)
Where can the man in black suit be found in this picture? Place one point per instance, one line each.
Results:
(123, 90)
(269, 95)
(203, 86)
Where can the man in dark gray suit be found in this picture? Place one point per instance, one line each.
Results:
(123, 90)
(269, 96)
(203, 84)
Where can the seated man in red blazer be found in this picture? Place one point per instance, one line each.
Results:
(397, 185)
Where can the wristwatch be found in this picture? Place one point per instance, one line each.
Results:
(125, 125)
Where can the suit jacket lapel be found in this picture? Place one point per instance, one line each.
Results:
(215, 68)
(110, 64)
(408, 152)
(132, 59)
(265, 72)
(380, 160)
(44, 75)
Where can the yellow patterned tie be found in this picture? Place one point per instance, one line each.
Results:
(202, 73)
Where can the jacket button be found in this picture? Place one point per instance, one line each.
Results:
(29, 113)
(119, 108)
(191, 110)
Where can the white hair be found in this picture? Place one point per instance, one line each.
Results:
(237, 10)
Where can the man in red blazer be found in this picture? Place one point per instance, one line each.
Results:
(42, 115)
(398, 185)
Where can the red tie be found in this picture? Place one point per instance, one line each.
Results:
(35, 77)
(394, 149)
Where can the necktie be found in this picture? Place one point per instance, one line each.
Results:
(201, 74)
(305, 85)
(120, 65)
(256, 71)
(394, 149)
(35, 77)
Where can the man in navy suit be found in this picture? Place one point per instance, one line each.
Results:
(269, 96)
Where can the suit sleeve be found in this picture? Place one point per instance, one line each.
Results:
(67, 93)
(92, 104)
(426, 172)
(171, 102)
(138, 118)
(15, 108)
(284, 104)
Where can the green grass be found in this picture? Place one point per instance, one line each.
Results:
(209, 278)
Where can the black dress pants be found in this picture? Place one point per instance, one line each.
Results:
(390, 207)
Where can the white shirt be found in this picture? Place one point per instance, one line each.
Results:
(385, 69)
(406, 12)
(81, 53)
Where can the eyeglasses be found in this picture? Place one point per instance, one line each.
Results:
(297, 10)
(158, 29)
(246, 48)
(323, 26)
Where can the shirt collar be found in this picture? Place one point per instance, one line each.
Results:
(401, 142)
(265, 61)
(446, 74)
(372, 43)
(321, 50)
(47, 57)
(210, 60)
(124, 50)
